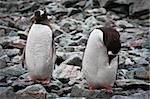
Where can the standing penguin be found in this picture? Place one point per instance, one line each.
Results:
(100, 68)
(40, 52)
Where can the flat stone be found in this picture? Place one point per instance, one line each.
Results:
(140, 95)
(15, 70)
(55, 8)
(141, 61)
(32, 89)
(91, 21)
(66, 71)
(124, 24)
(75, 60)
(127, 84)
(79, 91)
(3, 61)
(11, 52)
(143, 75)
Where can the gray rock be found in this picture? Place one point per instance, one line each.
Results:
(123, 23)
(65, 40)
(134, 30)
(82, 41)
(16, 59)
(52, 95)
(55, 8)
(70, 24)
(128, 7)
(62, 56)
(141, 61)
(11, 52)
(15, 70)
(69, 48)
(96, 11)
(54, 86)
(66, 71)
(9, 94)
(72, 11)
(22, 23)
(33, 89)
(22, 34)
(56, 30)
(140, 95)
(79, 91)
(91, 21)
(2, 32)
(64, 91)
(8, 39)
(75, 60)
(139, 7)
(128, 62)
(13, 33)
(3, 61)
(132, 84)
(143, 75)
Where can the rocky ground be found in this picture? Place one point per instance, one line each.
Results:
(72, 21)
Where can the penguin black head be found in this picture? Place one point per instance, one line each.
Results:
(39, 16)
(111, 39)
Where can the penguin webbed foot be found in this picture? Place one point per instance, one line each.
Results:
(42, 81)
(108, 89)
(91, 87)
(45, 81)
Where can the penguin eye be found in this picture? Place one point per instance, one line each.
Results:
(37, 13)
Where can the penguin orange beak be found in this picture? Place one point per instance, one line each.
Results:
(33, 18)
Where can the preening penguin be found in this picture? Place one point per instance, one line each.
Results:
(40, 49)
(98, 67)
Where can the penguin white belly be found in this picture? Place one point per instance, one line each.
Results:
(39, 55)
(96, 68)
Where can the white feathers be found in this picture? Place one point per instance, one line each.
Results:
(41, 12)
(39, 55)
(96, 67)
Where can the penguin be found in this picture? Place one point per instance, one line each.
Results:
(40, 54)
(99, 67)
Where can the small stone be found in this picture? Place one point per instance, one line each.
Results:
(2, 32)
(16, 59)
(141, 61)
(15, 70)
(127, 84)
(96, 11)
(64, 91)
(2, 62)
(55, 8)
(79, 91)
(13, 33)
(11, 52)
(137, 43)
(123, 24)
(91, 21)
(33, 89)
(22, 35)
(128, 62)
(75, 60)
(66, 71)
(140, 95)
(143, 75)
(82, 41)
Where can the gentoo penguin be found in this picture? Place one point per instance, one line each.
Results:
(99, 68)
(40, 53)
